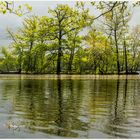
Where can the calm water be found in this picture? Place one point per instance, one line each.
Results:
(69, 108)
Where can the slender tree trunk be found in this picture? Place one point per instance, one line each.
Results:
(42, 58)
(20, 63)
(29, 58)
(124, 46)
(134, 59)
(34, 64)
(117, 52)
(59, 53)
(95, 67)
(125, 57)
(71, 60)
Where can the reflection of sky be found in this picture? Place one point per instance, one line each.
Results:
(40, 8)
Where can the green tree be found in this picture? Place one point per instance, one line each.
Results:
(66, 20)
(8, 61)
(99, 51)
(116, 22)
(134, 43)
(24, 41)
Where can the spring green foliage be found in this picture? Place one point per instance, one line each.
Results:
(116, 24)
(9, 7)
(99, 51)
(57, 43)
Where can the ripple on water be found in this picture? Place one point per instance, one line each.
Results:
(71, 108)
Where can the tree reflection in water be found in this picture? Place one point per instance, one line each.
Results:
(73, 108)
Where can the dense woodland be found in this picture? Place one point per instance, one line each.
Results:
(71, 40)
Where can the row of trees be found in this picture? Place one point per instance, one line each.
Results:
(58, 43)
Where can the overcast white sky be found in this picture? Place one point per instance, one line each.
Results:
(40, 8)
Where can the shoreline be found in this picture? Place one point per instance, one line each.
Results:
(66, 76)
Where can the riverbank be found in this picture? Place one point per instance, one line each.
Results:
(64, 76)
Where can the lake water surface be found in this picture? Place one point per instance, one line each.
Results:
(69, 107)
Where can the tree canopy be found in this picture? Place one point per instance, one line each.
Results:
(68, 40)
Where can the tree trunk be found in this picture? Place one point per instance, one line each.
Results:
(20, 63)
(34, 64)
(29, 58)
(71, 60)
(117, 52)
(59, 53)
(125, 57)
(19, 71)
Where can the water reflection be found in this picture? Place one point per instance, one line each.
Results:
(71, 108)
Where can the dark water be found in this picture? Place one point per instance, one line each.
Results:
(69, 108)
